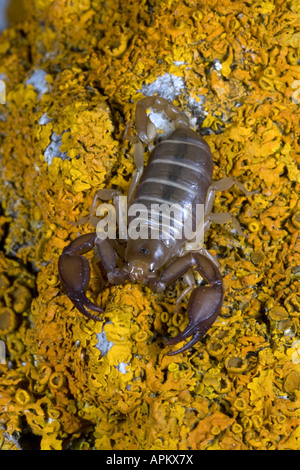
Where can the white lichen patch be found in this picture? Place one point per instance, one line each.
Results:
(53, 149)
(103, 344)
(38, 81)
(170, 87)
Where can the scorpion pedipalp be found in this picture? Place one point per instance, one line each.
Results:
(203, 308)
(205, 302)
(74, 273)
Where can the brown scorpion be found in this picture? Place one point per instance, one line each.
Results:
(179, 171)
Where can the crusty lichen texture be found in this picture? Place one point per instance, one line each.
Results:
(73, 73)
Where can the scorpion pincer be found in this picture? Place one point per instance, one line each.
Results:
(179, 171)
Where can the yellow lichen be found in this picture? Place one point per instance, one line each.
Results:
(22, 397)
(239, 387)
(236, 364)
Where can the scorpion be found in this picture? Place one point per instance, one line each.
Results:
(179, 170)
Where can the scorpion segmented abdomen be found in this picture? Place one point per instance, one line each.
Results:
(179, 171)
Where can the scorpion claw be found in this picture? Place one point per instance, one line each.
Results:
(204, 306)
(84, 301)
(196, 337)
(74, 272)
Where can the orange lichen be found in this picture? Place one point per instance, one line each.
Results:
(72, 79)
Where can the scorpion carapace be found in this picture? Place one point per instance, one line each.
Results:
(179, 171)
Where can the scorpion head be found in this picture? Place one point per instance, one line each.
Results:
(143, 258)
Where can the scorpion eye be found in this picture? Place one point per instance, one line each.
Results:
(144, 251)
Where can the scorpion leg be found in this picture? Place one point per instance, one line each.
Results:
(205, 302)
(138, 155)
(103, 195)
(109, 261)
(223, 217)
(189, 279)
(74, 273)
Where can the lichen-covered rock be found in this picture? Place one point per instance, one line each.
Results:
(73, 72)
